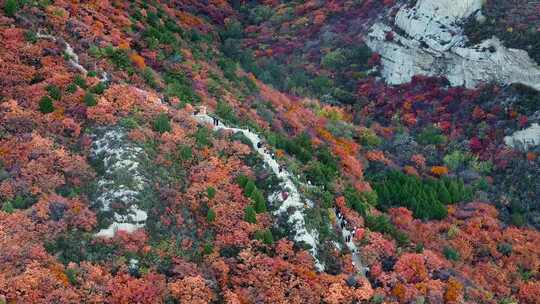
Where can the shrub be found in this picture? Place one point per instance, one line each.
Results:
(361, 202)
(229, 69)
(483, 167)
(98, 88)
(71, 88)
(382, 224)
(30, 36)
(250, 215)
(369, 139)
(11, 7)
(250, 84)
(54, 92)
(185, 152)
(454, 160)
(242, 180)
(260, 14)
(138, 60)
(208, 249)
(300, 146)
(203, 137)
(129, 123)
(327, 199)
(71, 274)
(8, 207)
(46, 105)
(450, 253)
(232, 30)
(319, 174)
(179, 86)
(504, 248)
(90, 99)
(80, 81)
(210, 192)
(334, 60)
(518, 219)
(249, 188)
(431, 136)
(118, 57)
(162, 123)
(439, 170)
(258, 201)
(211, 215)
(340, 128)
(149, 79)
(264, 236)
(225, 112)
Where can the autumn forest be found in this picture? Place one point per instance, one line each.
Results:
(212, 151)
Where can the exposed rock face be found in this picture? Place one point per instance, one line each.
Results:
(122, 181)
(524, 139)
(428, 40)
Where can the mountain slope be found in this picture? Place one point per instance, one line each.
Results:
(117, 187)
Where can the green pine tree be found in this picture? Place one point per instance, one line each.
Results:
(242, 180)
(250, 215)
(54, 92)
(453, 189)
(264, 236)
(258, 201)
(162, 123)
(46, 105)
(268, 238)
(443, 194)
(210, 192)
(211, 215)
(11, 7)
(90, 99)
(249, 188)
(8, 207)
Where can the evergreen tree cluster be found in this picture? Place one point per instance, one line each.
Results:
(299, 146)
(264, 236)
(360, 201)
(254, 193)
(324, 170)
(426, 198)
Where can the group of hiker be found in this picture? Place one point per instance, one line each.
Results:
(344, 225)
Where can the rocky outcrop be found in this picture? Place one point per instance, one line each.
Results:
(122, 180)
(524, 139)
(428, 40)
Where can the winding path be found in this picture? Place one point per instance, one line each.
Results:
(294, 201)
(356, 259)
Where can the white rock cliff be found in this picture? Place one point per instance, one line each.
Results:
(428, 40)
